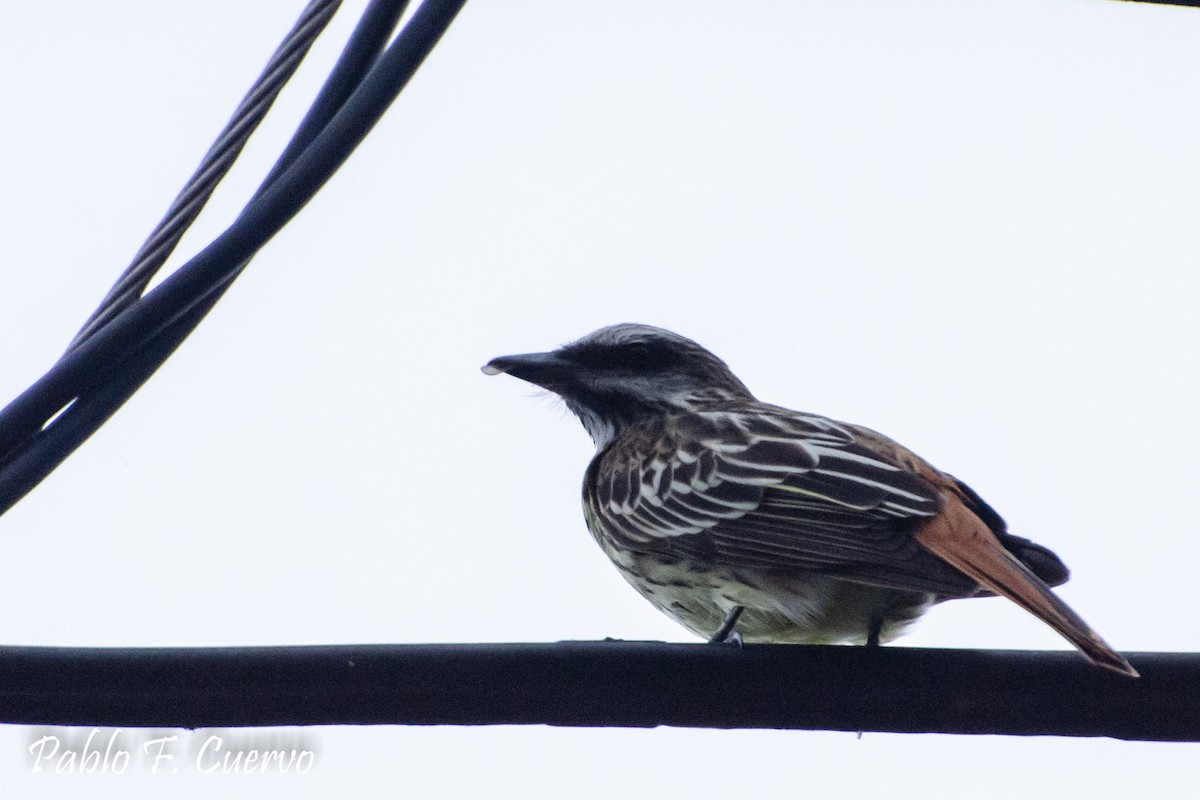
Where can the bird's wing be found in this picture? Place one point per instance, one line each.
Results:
(774, 489)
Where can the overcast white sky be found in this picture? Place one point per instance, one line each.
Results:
(972, 226)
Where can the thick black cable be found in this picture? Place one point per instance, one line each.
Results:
(361, 52)
(606, 684)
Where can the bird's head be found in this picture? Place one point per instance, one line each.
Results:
(620, 375)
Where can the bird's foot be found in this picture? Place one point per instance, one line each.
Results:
(874, 629)
(726, 633)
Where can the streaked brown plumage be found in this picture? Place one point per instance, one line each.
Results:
(709, 501)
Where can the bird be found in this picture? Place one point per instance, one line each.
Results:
(750, 522)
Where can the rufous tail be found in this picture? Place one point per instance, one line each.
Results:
(960, 538)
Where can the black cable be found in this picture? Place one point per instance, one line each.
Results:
(362, 50)
(605, 684)
(1190, 3)
(104, 368)
(26, 468)
(214, 166)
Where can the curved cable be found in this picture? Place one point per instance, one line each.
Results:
(43, 425)
(213, 167)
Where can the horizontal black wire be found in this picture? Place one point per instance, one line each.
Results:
(605, 684)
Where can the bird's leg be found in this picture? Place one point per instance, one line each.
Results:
(725, 633)
(874, 628)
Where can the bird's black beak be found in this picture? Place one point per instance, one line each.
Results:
(548, 370)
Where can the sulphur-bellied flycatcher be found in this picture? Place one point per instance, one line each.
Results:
(734, 515)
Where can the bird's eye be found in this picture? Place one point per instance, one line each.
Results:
(637, 356)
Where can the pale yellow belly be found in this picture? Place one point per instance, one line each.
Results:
(779, 607)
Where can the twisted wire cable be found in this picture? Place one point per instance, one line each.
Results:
(108, 362)
(214, 166)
